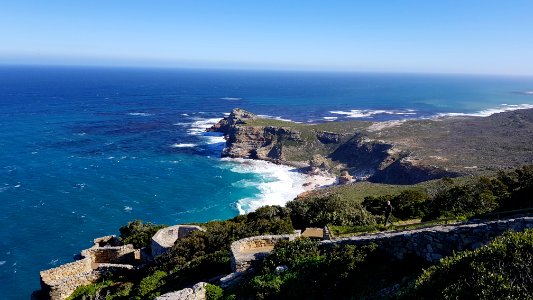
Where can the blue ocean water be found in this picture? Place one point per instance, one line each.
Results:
(85, 150)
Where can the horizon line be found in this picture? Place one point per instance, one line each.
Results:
(302, 69)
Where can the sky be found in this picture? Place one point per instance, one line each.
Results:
(452, 36)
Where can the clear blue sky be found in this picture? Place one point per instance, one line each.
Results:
(458, 36)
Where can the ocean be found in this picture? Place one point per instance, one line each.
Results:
(85, 150)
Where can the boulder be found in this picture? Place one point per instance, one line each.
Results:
(345, 177)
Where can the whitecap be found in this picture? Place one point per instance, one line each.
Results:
(186, 115)
(142, 114)
(231, 98)
(53, 262)
(183, 145)
(362, 113)
(2, 262)
(489, 111)
(278, 184)
(198, 127)
(276, 118)
(214, 140)
(128, 208)
(330, 118)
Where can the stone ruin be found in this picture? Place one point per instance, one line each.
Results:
(106, 255)
(166, 237)
(245, 251)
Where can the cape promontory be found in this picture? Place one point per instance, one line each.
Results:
(400, 152)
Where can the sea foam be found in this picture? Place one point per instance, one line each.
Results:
(278, 184)
(369, 113)
(214, 139)
(490, 111)
(183, 145)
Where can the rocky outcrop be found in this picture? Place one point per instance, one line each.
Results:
(345, 178)
(258, 142)
(327, 137)
(236, 117)
(408, 171)
(255, 142)
(196, 292)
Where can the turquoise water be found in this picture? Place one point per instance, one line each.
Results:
(84, 151)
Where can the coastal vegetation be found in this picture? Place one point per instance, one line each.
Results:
(501, 270)
(341, 271)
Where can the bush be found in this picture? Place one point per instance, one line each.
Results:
(138, 233)
(319, 273)
(516, 187)
(90, 291)
(501, 270)
(466, 200)
(213, 292)
(148, 286)
(330, 209)
(409, 204)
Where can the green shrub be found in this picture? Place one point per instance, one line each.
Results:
(501, 270)
(147, 287)
(90, 291)
(466, 200)
(138, 233)
(213, 292)
(409, 204)
(313, 272)
(330, 209)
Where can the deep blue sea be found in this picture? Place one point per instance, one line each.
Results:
(85, 150)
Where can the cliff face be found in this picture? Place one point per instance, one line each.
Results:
(255, 142)
(400, 153)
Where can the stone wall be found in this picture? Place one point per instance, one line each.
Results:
(245, 251)
(433, 243)
(165, 238)
(60, 282)
(117, 254)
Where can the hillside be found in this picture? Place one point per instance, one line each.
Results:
(396, 152)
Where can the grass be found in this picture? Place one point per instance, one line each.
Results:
(359, 190)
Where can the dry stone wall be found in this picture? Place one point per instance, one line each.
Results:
(104, 256)
(433, 243)
(245, 251)
(117, 254)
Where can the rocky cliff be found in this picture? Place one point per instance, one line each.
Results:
(401, 152)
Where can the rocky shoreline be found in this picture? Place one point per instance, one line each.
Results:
(399, 152)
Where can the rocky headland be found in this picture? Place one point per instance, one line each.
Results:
(396, 152)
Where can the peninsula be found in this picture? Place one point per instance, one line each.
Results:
(394, 152)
